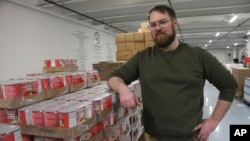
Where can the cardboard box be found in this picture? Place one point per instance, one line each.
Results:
(144, 27)
(130, 46)
(60, 69)
(57, 132)
(130, 37)
(123, 56)
(76, 87)
(120, 38)
(121, 46)
(240, 74)
(57, 92)
(22, 101)
(105, 68)
(139, 46)
(139, 36)
(149, 44)
(148, 36)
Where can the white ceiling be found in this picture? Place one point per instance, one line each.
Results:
(199, 20)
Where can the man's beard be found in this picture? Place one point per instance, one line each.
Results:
(162, 40)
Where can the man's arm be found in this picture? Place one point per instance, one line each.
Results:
(127, 97)
(207, 126)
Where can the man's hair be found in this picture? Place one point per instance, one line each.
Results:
(162, 9)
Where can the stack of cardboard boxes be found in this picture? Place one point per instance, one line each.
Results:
(105, 68)
(129, 43)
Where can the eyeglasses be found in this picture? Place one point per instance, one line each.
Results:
(160, 23)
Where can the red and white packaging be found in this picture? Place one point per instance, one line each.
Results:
(67, 117)
(27, 137)
(10, 89)
(58, 81)
(24, 115)
(97, 103)
(29, 87)
(37, 115)
(3, 116)
(106, 101)
(51, 117)
(53, 63)
(10, 133)
(44, 82)
(104, 124)
(11, 116)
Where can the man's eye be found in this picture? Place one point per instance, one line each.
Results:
(152, 25)
(162, 22)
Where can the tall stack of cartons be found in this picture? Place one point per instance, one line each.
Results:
(240, 75)
(129, 43)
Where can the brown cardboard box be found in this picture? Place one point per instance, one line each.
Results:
(120, 38)
(130, 37)
(148, 36)
(123, 56)
(149, 44)
(139, 46)
(144, 27)
(121, 46)
(22, 101)
(240, 74)
(104, 69)
(139, 36)
(130, 46)
(57, 132)
(76, 87)
(60, 69)
(57, 92)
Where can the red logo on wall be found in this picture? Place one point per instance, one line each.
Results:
(97, 38)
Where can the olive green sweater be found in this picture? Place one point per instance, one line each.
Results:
(172, 87)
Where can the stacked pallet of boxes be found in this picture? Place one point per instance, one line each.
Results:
(69, 106)
(17, 93)
(129, 43)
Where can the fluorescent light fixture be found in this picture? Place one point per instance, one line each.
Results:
(217, 34)
(205, 45)
(233, 18)
(235, 44)
(210, 41)
(227, 46)
(248, 33)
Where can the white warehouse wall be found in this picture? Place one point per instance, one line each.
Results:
(29, 35)
(223, 55)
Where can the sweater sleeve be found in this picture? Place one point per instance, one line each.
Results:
(217, 74)
(129, 71)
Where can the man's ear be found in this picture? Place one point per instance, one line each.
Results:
(175, 23)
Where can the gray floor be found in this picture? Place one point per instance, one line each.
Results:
(239, 113)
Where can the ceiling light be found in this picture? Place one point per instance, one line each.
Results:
(248, 33)
(217, 34)
(233, 18)
(210, 41)
(205, 45)
(235, 44)
(227, 46)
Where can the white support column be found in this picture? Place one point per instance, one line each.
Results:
(234, 53)
(248, 47)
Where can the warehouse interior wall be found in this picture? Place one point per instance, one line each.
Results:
(28, 36)
(225, 56)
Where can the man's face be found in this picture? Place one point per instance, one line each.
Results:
(162, 29)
